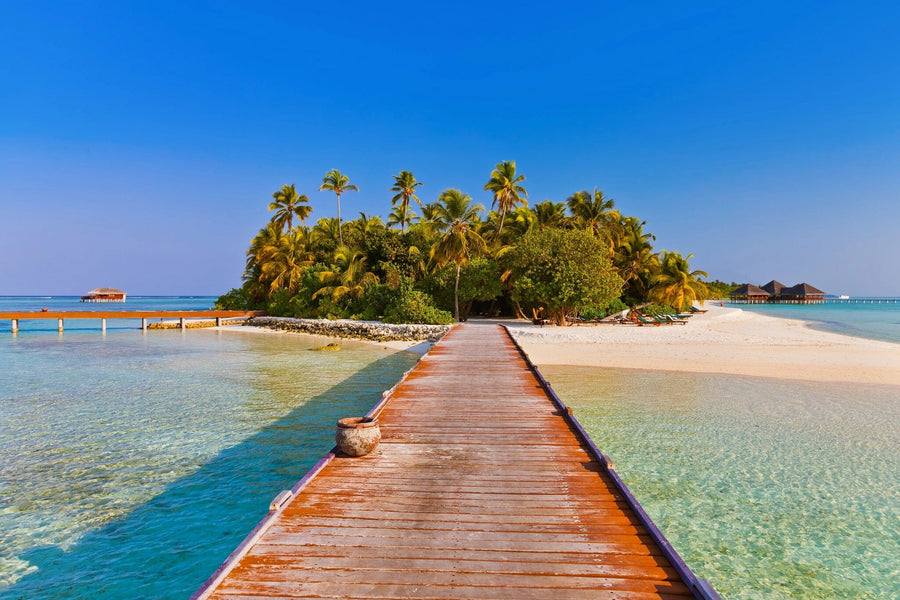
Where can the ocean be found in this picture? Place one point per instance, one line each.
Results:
(874, 318)
(132, 464)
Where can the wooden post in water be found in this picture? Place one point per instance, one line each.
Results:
(181, 321)
(218, 321)
(15, 326)
(103, 325)
(59, 325)
(144, 324)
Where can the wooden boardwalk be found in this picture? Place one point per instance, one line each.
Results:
(144, 315)
(482, 487)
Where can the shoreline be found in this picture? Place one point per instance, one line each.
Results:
(726, 341)
(417, 346)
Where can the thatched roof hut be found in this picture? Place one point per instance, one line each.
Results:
(774, 287)
(749, 294)
(802, 293)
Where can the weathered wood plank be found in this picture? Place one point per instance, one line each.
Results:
(479, 489)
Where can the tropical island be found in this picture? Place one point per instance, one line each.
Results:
(444, 261)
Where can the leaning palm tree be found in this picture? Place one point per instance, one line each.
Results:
(337, 182)
(287, 204)
(405, 185)
(675, 284)
(456, 218)
(505, 184)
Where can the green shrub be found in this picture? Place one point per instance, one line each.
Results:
(653, 309)
(237, 299)
(413, 306)
(563, 271)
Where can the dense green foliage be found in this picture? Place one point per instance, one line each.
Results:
(557, 258)
(562, 271)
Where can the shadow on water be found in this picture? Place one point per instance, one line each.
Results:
(168, 546)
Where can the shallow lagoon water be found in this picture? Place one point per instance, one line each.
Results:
(132, 464)
(768, 488)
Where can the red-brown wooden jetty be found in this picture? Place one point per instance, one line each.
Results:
(143, 315)
(484, 486)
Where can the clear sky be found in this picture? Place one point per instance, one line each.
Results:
(140, 143)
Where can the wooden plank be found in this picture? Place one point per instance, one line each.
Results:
(128, 314)
(480, 488)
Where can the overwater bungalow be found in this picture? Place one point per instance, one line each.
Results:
(776, 292)
(774, 287)
(104, 295)
(802, 293)
(749, 294)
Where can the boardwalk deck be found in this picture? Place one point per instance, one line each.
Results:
(480, 488)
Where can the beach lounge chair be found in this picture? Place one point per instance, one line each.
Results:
(694, 309)
(642, 320)
(673, 320)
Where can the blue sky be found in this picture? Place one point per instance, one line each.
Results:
(140, 142)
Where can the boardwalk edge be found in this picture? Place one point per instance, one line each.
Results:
(701, 588)
(280, 503)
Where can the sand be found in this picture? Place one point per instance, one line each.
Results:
(396, 345)
(723, 340)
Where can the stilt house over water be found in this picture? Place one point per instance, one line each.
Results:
(776, 292)
(104, 295)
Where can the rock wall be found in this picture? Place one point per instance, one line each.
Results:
(362, 330)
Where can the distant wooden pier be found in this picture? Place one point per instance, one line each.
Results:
(143, 315)
(484, 486)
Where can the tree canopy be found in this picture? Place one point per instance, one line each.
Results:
(579, 255)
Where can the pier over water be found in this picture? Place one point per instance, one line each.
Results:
(484, 486)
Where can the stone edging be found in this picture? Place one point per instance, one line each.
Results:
(362, 330)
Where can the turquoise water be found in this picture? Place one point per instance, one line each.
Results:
(870, 320)
(56, 303)
(768, 488)
(132, 464)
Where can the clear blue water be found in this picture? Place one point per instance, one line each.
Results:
(768, 488)
(57, 303)
(870, 320)
(132, 464)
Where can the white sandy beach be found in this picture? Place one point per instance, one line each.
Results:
(723, 340)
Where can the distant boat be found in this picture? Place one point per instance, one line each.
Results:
(843, 297)
(104, 295)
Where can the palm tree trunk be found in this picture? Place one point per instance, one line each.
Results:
(340, 229)
(502, 218)
(456, 293)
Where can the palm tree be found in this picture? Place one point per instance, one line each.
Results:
(550, 214)
(635, 260)
(675, 284)
(402, 215)
(365, 225)
(337, 182)
(348, 275)
(596, 215)
(285, 261)
(287, 204)
(505, 184)
(405, 185)
(456, 217)
(327, 230)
